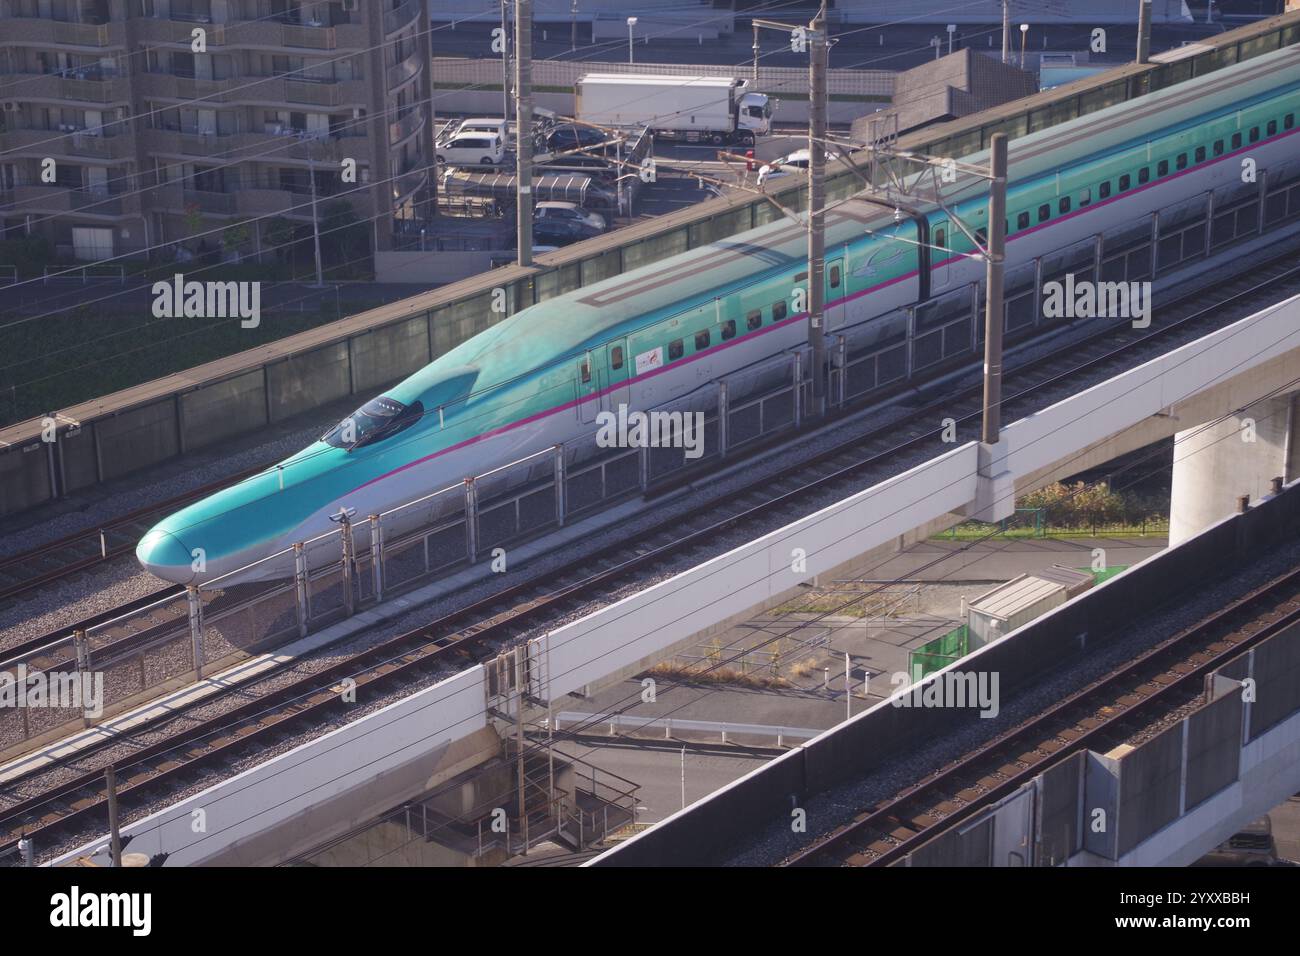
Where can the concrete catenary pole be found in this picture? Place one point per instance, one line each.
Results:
(816, 200)
(992, 425)
(505, 60)
(1144, 31)
(114, 833)
(524, 127)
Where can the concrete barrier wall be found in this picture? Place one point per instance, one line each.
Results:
(1081, 420)
(1060, 810)
(627, 635)
(1150, 783)
(1213, 748)
(383, 758)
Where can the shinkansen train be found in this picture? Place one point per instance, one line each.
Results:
(655, 334)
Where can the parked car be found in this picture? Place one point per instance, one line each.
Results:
(573, 137)
(561, 232)
(568, 212)
(486, 124)
(800, 158)
(472, 149)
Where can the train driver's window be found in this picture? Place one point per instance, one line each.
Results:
(778, 311)
(585, 369)
(754, 319)
(728, 329)
(676, 349)
(616, 356)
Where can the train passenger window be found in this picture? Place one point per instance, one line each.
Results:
(1162, 168)
(1236, 140)
(835, 276)
(1218, 147)
(1288, 121)
(676, 349)
(1200, 154)
(1181, 161)
(1103, 190)
(1124, 182)
(1144, 174)
(754, 319)
(1254, 134)
(1085, 197)
(616, 356)
(941, 238)
(1044, 212)
(778, 311)
(1064, 204)
(729, 329)
(1022, 220)
(701, 340)
(1272, 128)
(585, 368)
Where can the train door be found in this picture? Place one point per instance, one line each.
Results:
(940, 244)
(588, 380)
(616, 360)
(836, 290)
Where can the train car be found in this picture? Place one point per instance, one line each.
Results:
(660, 332)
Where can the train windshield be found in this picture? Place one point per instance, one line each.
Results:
(379, 418)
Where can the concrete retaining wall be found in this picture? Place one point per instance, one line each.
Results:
(322, 788)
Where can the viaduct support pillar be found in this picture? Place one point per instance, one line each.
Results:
(1216, 464)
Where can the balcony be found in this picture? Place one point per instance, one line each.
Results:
(406, 127)
(92, 86)
(233, 147)
(154, 31)
(403, 186)
(33, 31)
(76, 143)
(403, 16)
(84, 202)
(404, 71)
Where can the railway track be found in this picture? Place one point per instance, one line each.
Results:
(477, 632)
(1112, 710)
(45, 565)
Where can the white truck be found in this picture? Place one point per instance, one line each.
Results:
(697, 109)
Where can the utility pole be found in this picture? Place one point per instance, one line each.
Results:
(524, 127)
(1006, 31)
(1144, 31)
(573, 26)
(505, 60)
(1024, 33)
(519, 725)
(755, 26)
(816, 199)
(115, 835)
(315, 220)
(992, 422)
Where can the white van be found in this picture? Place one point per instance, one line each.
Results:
(486, 124)
(472, 149)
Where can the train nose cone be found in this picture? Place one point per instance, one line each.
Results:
(162, 554)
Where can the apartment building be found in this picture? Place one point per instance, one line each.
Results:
(129, 125)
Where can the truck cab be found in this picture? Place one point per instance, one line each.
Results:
(754, 113)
